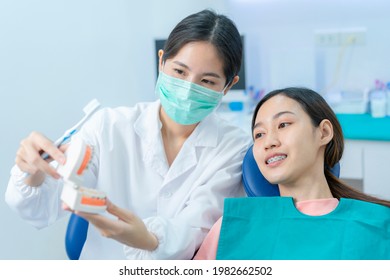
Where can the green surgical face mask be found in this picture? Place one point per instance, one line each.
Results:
(185, 102)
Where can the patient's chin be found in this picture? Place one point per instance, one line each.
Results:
(274, 180)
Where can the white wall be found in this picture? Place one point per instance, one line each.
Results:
(281, 49)
(55, 56)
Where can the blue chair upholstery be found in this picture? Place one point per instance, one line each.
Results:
(254, 182)
(76, 234)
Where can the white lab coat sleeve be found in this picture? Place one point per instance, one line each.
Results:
(180, 236)
(40, 206)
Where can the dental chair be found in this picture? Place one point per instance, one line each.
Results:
(76, 234)
(254, 182)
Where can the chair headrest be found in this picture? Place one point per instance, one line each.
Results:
(254, 182)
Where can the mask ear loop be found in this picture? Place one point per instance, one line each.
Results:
(222, 92)
(159, 71)
(227, 85)
(161, 54)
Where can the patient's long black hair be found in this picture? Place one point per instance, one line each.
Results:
(318, 110)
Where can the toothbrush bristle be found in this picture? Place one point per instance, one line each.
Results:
(91, 106)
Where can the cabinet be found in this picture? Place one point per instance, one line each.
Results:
(368, 161)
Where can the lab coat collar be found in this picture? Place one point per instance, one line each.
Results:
(204, 135)
(148, 128)
(207, 133)
(148, 125)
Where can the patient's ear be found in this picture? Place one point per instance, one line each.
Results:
(326, 131)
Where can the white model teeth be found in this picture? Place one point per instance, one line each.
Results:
(277, 158)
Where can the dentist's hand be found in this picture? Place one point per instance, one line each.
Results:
(128, 229)
(28, 158)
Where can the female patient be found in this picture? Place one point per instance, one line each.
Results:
(297, 139)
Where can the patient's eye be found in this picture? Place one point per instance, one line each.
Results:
(284, 124)
(258, 135)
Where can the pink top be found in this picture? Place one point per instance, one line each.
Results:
(315, 207)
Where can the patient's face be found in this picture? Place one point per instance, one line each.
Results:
(286, 144)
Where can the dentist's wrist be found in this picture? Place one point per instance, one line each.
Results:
(35, 180)
(152, 242)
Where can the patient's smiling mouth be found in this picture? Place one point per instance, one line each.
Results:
(275, 158)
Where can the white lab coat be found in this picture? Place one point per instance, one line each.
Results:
(179, 204)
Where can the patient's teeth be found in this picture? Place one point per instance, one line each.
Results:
(277, 158)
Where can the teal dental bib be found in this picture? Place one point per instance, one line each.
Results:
(271, 228)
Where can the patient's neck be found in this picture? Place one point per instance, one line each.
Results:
(308, 189)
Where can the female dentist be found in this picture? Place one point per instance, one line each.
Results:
(166, 166)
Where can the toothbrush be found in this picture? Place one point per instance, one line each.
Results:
(89, 109)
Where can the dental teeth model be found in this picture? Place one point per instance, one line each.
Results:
(79, 198)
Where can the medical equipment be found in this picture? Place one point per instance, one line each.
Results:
(378, 100)
(77, 197)
(89, 109)
(348, 101)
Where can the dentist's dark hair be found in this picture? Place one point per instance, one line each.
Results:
(210, 27)
(318, 110)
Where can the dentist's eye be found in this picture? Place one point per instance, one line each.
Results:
(208, 82)
(179, 71)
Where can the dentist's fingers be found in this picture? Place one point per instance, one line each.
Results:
(66, 207)
(25, 167)
(63, 148)
(128, 229)
(43, 144)
(105, 225)
(29, 159)
(35, 160)
(121, 213)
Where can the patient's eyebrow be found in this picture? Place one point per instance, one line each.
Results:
(277, 115)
